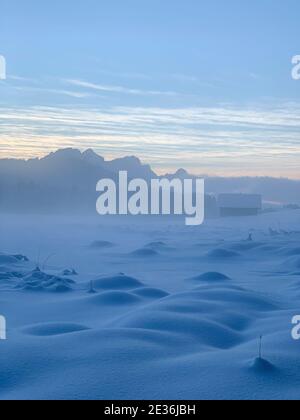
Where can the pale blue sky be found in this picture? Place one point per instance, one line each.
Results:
(201, 84)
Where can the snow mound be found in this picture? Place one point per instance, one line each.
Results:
(222, 254)
(10, 275)
(115, 298)
(40, 281)
(262, 366)
(47, 330)
(21, 258)
(293, 252)
(292, 264)
(296, 273)
(237, 298)
(187, 326)
(297, 263)
(245, 246)
(68, 272)
(145, 253)
(150, 293)
(211, 276)
(119, 282)
(268, 248)
(102, 245)
(8, 259)
(234, 320)
(213, 318)
(295, 287)
(158, 246)
(129, 339)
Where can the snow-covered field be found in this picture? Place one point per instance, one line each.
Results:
(152, 310)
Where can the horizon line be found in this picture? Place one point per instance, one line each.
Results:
(143, 163)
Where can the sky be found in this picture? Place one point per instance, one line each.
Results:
(204, 85)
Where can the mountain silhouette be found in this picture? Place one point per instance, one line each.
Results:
(66, 180)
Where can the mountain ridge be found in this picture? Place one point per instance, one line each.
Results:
(66, 179)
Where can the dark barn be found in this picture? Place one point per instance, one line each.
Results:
(239, 205)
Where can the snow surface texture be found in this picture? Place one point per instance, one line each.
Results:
(145, 308)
